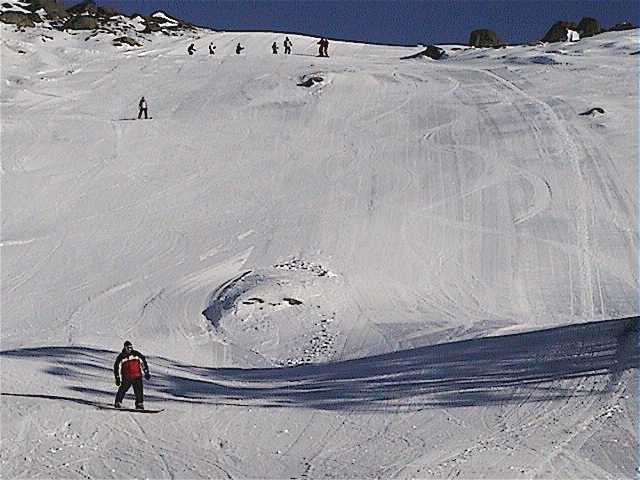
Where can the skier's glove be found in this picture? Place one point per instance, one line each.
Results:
(147, 376)
(117, 382)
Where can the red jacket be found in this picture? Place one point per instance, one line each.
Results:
(130, 366)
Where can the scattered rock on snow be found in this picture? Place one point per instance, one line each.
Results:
(292, 301)
(297, 264)
(309, 81)
(118, 42)
(593, 110)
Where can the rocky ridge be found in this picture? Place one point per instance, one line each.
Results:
(88, 15)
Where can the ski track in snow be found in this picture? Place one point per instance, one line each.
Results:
(347, 280)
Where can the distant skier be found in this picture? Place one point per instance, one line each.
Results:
(323, 51)
(191, 49)
(142, 108)
(129, 368)
(326, 47)
(239, 49)
(274, 48)
(212, 49)
(287, 46)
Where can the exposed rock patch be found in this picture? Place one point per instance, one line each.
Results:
(118, 42)
(309, 81)
(592, 111)
(431, 51)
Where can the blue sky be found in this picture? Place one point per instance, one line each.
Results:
(403, 22)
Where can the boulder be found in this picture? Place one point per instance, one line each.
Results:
(484, 39)
(558, 32)
(20, 19)
(622, 26)
(588, 27)
(118, 42)
(54, 9)
(81, 22)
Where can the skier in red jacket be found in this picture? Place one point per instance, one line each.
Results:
(129, 369)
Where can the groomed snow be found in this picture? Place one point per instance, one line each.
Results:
(410, 269)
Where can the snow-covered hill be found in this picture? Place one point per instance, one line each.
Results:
(410, 268)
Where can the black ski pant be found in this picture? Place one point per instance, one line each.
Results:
(142, 110)
(137, 390)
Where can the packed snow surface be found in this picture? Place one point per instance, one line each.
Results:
(406, 268)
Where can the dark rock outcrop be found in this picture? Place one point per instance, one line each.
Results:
(622, 26)
(81, 22)
(588, 27)
(431, 51)
(484, 39)
(558, 32)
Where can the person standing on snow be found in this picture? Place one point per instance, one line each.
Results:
(274, 48)
(325, 47)
(323, 51)
(142, 108)
(191, 49)
(212, 49)
(239, 49)
(287, 46)
(129, 368)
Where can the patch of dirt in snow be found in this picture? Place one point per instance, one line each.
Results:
(282, 313)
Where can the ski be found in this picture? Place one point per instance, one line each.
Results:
(134, 410)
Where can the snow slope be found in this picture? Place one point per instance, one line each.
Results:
(412, 268)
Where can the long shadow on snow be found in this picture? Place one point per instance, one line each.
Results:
(480, 371)
(524, 367)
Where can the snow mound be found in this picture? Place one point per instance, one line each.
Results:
(282, 313)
